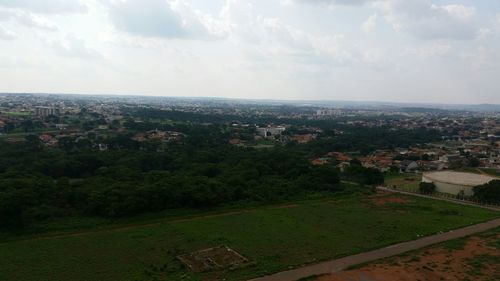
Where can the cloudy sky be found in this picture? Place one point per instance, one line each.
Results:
(387, 50)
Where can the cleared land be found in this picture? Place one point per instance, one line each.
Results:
(406, 182)
(272, 238)
(472, 258)
(16, 113)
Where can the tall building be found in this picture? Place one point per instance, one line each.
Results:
(44, 111)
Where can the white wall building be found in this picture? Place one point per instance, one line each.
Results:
(456, 182)
(270, 131)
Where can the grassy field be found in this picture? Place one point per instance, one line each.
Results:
(274, 238)
(16, 113)
(22, 135)
(407, 182)
(484, 171)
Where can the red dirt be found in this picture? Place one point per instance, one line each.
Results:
(382, 198)
(434, 264)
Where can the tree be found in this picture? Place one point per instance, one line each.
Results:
(355, 162)
(427, 187)
(489, 192)
(474, 162)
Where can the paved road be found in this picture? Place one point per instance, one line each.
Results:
(343, 263)
(456, 201)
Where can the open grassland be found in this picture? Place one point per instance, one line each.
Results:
(484, 171)
(16, 113)
(406, 182)
(274, 238)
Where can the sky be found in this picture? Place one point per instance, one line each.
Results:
(428, 51)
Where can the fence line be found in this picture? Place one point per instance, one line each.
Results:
(447, 196)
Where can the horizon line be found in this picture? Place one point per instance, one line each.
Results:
(256, 99)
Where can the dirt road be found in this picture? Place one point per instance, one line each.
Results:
(343, 263)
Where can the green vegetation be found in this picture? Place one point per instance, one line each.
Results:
(489, 192)
(16, 113)
(117, 204)
(274, 238)
(426, 187)
(406, 182)
(453, 245)
(492, 172)
(38, 183)
(200, 170)
(478, 263)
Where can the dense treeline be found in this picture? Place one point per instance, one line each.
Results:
(366, 139)
(353, 137)
(38, 182)
(201, 170)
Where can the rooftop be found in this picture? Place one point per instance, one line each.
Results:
(459, 178)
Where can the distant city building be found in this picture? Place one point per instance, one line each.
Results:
(44, 111)
(329, 112)
(61, 126)
(270, 131)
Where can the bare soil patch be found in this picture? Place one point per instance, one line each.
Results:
(381, 198)
(475, 258)
(218, 258)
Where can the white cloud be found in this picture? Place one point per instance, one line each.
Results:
(28, 19)
(274, 40)
(36, 21)
(370, 24)
(199, 24)
(46, 6)
(458, 11)
(156, 19)
(293, 49)
(6, 34)
(373, 56)
(484, 34)
(337, 2)
(428, 21)
(429, 50)
(174, 19)
(73, 47)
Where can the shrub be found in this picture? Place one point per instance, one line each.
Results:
(427, 187)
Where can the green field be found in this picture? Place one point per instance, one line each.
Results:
(274, 238)
(407, 182)
(484, 171)
(16, 113)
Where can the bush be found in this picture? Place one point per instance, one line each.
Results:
(427, 187)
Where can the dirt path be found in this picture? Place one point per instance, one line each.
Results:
(456, 201)
(343, 263)
(476, 259)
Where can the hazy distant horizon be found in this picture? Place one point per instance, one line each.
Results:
(316, 103)
(403, 51)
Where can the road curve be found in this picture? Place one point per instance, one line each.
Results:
(343, 263)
